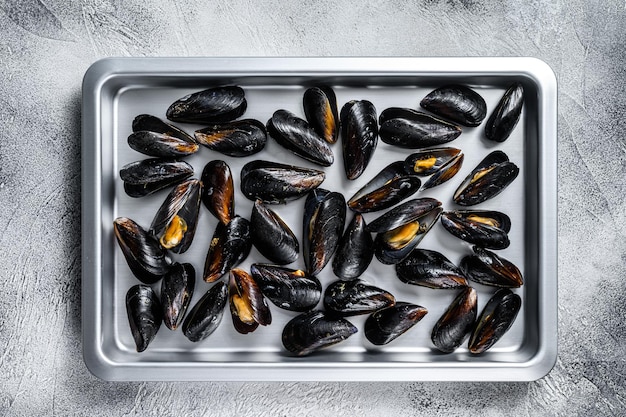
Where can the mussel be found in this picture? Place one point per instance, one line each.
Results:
(272, 236)
(457, 103)
(214, 105)
(445, 173)
(149, 123)
(276, 183)
(247, 304)
(359, 132)
(487, 229)
(289, 289)
(314, 330)
(413, 129)
(230, 245)
(351, 298)
(320, 109)
(355, 250)
(487, 268)
(431, 269)
(495, 320)
(160, 144)
(402, 214)
(218, 193)
(144, 315)
(440, 163)
(457, 322)
(506, 114)
(385, 325)
(237, 138)
(206, 315)
(151, 175)
(176, 291)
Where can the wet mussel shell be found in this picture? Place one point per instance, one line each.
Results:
(230, 245)
(445, 173)
(458, 103)
(144, 315)
(147, 122)
(429, 161)
(289, 289)
(387, 324)
(177, 289)
(484, 228)
(430, 269)
(457, 322)
(237, 138)
(296, 135)
(145, 177)
(506, 114)
(218, 193)
(411, 129)
(315, 330)
(351, 298)
(213, 105)
(359, 132)
(160, 144)
(402, 214)
(145, 257)
(206, 315)
(320, 109)
(247, 303)
(272, 236)
(495, 320)
(355, 250)
(487, 268)
(276, 183)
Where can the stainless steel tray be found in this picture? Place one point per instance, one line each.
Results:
(116, 90)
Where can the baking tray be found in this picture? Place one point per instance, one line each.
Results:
(116, 90)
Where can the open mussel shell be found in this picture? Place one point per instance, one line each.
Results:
(320, 109)
(487, 268)
(495, 320)
(147, 122)
(413, 129)
(237, 138)
(458, 103)
(445, 173)
(214, 105)
(457, 322)
(359, 132)
(230, 245)
(206, 315)
(160, 144)
(296, 135)
(176, 291)
(386, 189)
(144, 315)
(355, 250)
(276, 183)
(507, 113)
(147, 260)
(351, 298)
(324, 218)
(218, 193)
(174, 224)
(484, 228)
(492, 175)
(289, 289)
(406, 212)
(429, 161)
(272, 236)
(431, 269)
(385, 325)
(314, 330)
(247, 304)
(151, 175)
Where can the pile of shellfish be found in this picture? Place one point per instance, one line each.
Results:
(383, 222)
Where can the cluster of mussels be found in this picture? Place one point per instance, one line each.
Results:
(398, 231)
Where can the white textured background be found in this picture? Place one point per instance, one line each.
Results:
(45, 48)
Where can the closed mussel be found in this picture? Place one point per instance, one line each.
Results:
(456, 323)
(151, 175)
(314, 330)
(213, 105)
(355, 251)
(411, 129)
(144, 315)
(487, 268)
(206, 315)
(457, 103)
(176, 291)
(507, 113)
(149, 123)
(387, 324)
(495, 320)
(351, 298)
(230, 245)
(431, 269)
(289, 289)
(218, 193)
(484, 228)
(247, 304)
(160, 144)
(359, 132)
(272, 236)
(237, 138)
(320, 109)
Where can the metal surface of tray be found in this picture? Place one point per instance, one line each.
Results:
(117, 90)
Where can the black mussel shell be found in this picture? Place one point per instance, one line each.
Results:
(445, 173)
(429, 161)
(387, 324)
(492, 175)
(351, 298)
(238, 138)
(355, 250)
(174, 225)
(324, 218)
(247, 304)
(214, 105)
(230, 246)
(218, 193)
(430, 269)
(320, 109)
(495, 320)
(147, 260)
(457, 322)
(457, 103)
(151, 123)
(312, 331)
(386, 189)
(406, 212)
(506, 114)
(276, 183)
(151, 175)
(359, 132)
(413, 129)
(176, 291)
(296, 135)
(487, 229)
(206, 315)
(487, 268)
(271, 235)
(160, 144)
(289, 289)
(144, 315)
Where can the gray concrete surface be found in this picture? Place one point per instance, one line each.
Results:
(45, 48)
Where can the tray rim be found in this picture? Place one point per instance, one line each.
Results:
(105, 70)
